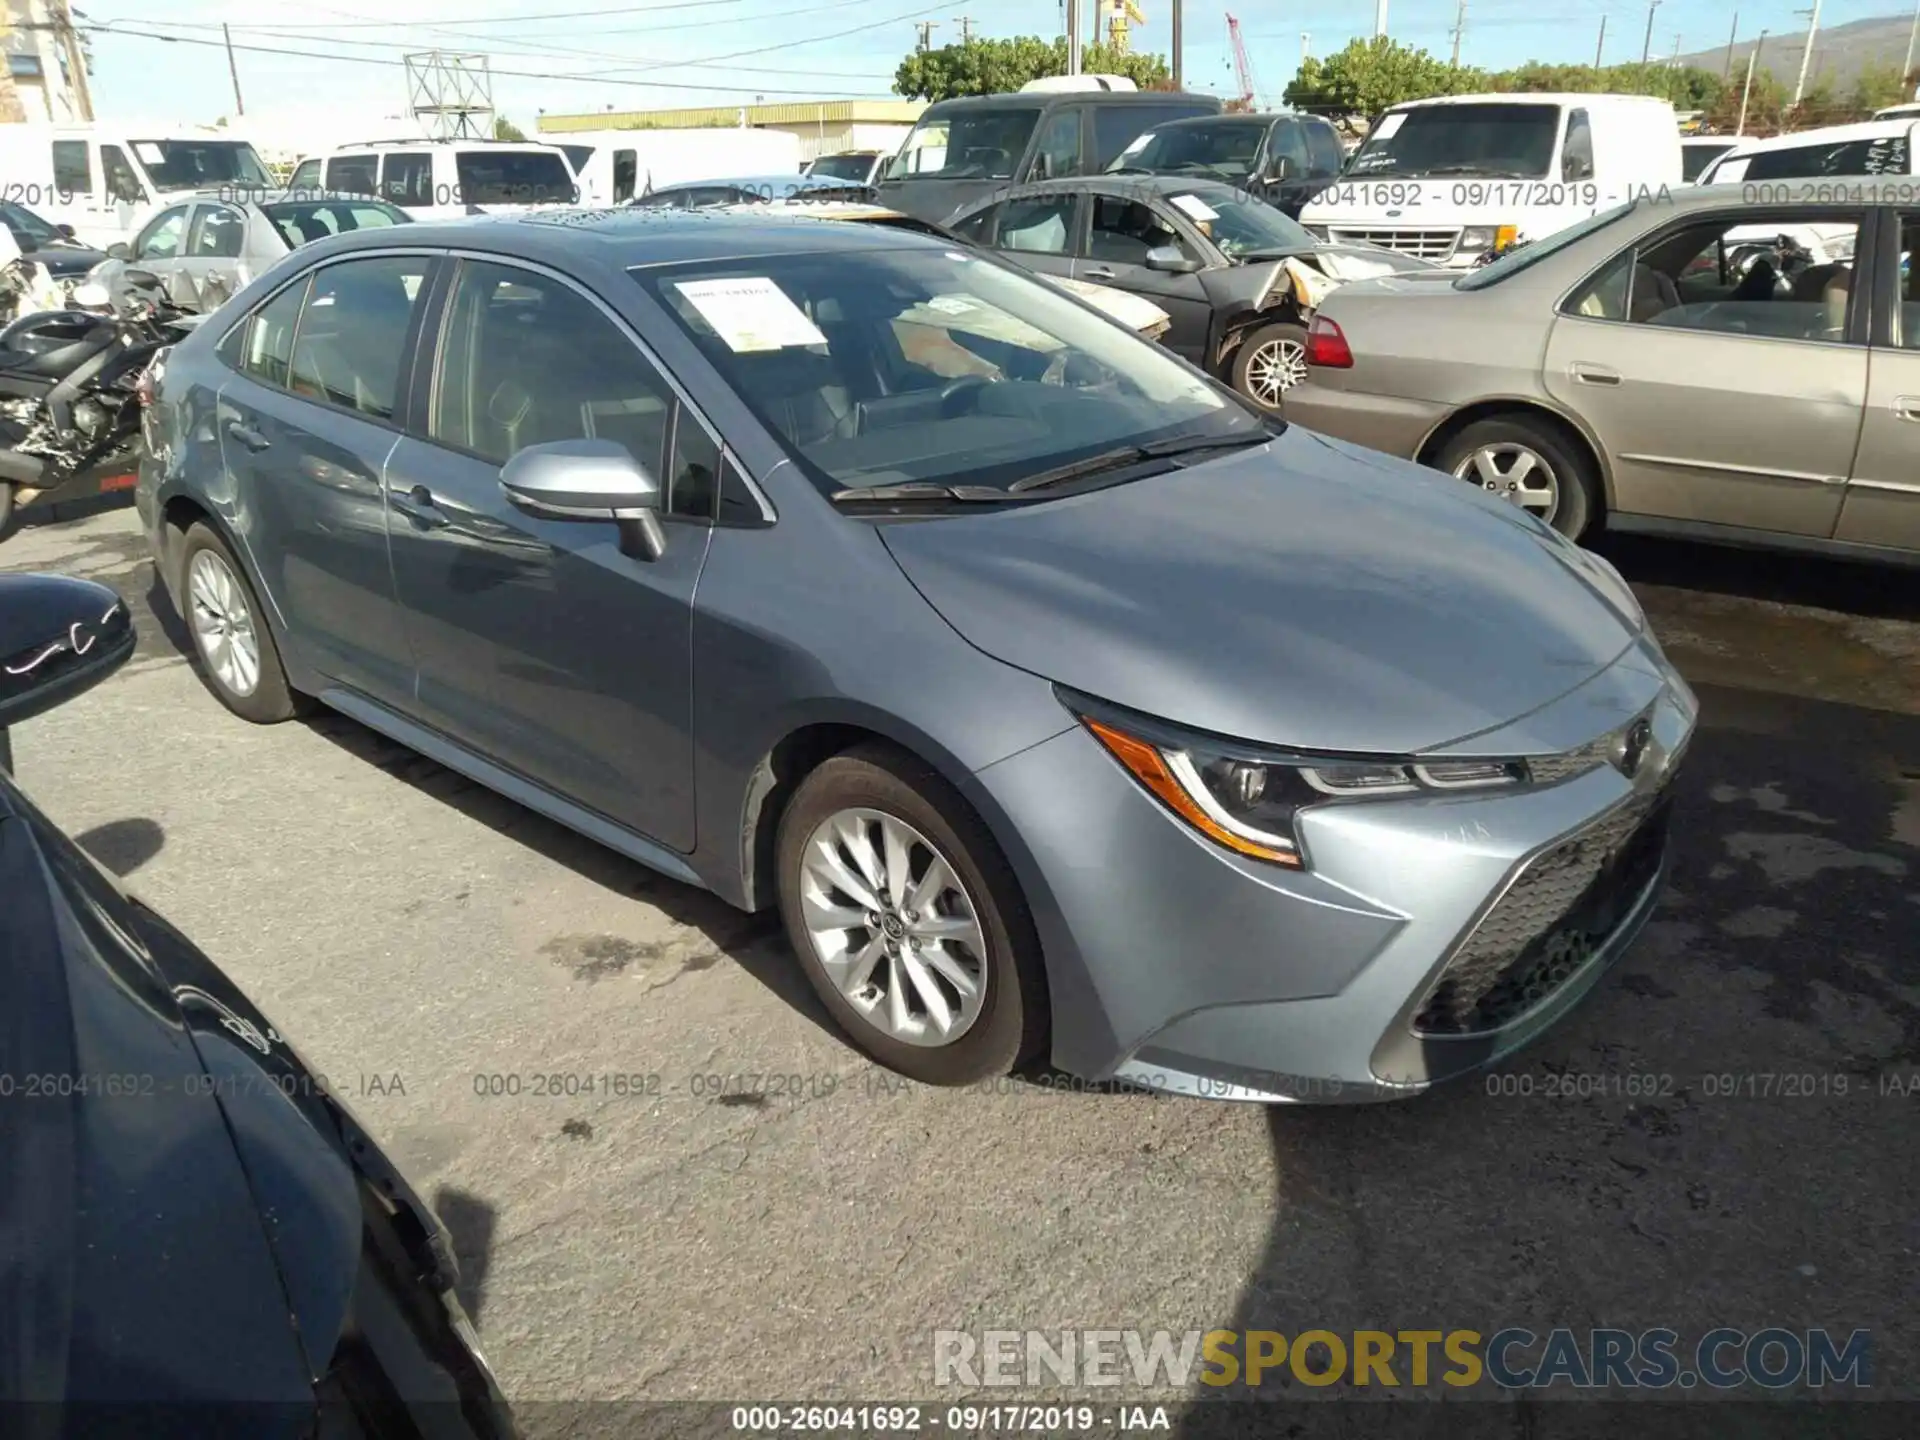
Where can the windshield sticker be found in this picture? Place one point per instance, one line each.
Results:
(149, 153)
(1194, 207)
(751, 313)
(1390, 126)
(952, 305)
(1139, 144)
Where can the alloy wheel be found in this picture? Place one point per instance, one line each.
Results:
(1275, 368)
(893, 927)
(223, 623)
(1516, 473)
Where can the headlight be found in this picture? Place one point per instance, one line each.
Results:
(1247, 797)
(1488, 237)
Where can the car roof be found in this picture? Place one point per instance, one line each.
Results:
(1131, 182)
(1239, 117)
(1535, 97)
(475, 142)
(1828, 135)
(792, 177)
(1041, 99)
(631, 236)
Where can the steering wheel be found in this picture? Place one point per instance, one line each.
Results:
(958, 386)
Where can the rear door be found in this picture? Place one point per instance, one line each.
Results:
(1120, 232)
(540, 644)
(160, 248)
(210, 266)
(306, 426)
(1882, 504)
(1039, 230)
(1724, 386)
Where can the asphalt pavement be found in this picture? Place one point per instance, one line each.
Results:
(713, 1196)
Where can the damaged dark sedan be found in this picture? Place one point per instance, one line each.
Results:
(1239, 279)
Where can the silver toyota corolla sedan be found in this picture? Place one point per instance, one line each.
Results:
(1065, 706)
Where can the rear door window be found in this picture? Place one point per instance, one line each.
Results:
(352, 338)
(269, 342)
(514, 177)
(162, 238)
(353, 174)
(1042, 225)
(217, 232)
(306, 176)
(406, 178)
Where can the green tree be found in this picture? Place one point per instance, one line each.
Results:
(1369, 75)
(505, 129)
(993, 67)
(1877, 86)
(1766, 104)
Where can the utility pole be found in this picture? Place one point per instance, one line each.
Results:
(1674, 62)
(1073, 37)
(1306, 47)
(1726, 70)
(1806, 55)
(1746, 90)
(1601, 44)
(1178, 69)
(1459, 24)
(1379, 18)
(76, 58)
(1646, 45)
(1913, 31)
(239, 105)
(965, 22)
(926, 28)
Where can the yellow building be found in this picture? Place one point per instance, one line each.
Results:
(824, 127)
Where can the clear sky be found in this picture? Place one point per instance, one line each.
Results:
(687, 52)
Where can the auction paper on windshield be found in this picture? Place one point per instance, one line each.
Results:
(751, 313)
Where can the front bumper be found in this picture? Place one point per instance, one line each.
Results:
(1180, 967)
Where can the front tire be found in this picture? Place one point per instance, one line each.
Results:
(6, 511)
(908, 921)
(231, 638)
(1529, 464)
(1270, 362)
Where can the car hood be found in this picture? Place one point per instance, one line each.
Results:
(1306, 593)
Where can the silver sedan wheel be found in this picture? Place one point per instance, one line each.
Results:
(893, 927)
(1275, 368)
(1515, 472)
(223, 624)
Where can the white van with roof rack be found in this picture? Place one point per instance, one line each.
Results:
(1450, 178)
(108, 181)
(443, 179)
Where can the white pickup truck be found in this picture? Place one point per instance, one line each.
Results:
(1450, 178)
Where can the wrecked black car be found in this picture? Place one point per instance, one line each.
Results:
(1238, 278)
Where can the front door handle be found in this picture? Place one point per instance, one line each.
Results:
(1098, 272)
(1906, 407)
(248, 436)
(418, 506)
(1594, 374)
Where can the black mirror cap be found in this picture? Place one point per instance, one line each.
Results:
(66, 230)
(59, 636)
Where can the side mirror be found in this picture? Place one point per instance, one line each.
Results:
(66, 230)
(1171, 260)
(1042, 166)
(589, 480)
(58, 637)
(120, 250)
(1280, 168)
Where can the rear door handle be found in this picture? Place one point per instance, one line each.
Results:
(1594, 374)
(1098, 272)
(248, 436)
(418, 506)
(1906, 407)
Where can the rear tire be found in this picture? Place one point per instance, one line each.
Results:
(1270, 362)
(909, 936)
(6, 511)
(231, 638)
(1513, 456)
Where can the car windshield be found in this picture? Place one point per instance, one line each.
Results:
(1519, 258)
(841, 167)
(201, 164)
(1241, 226)
(882, 367)
(970, 145)
(1491, 139)
(302, 222)
(1214, 147)
(514, 177)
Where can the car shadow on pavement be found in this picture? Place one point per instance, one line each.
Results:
(756, 943)
(1854, 587)
(470, 1221)
(1721, 1134)
(123, 846)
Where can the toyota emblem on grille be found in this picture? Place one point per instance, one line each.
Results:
(1631, 748)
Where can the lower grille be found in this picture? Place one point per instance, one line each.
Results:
(1562, 908)
(1423, 244)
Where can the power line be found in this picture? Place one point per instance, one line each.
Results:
(602, 77)
(362, 24)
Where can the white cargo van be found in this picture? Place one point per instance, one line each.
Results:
(615, 166)
(443, 179)
(107, 181)
(1449, 178)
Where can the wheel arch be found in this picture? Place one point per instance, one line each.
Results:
(179, 513)
(1524, 407)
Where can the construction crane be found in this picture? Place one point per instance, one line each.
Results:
(1122, 16)
(1242, 67)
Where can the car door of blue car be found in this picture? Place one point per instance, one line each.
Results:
(306, 424)
(541, 645)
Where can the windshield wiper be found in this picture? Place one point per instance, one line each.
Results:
(1471, 168)
(1133, 455)
(919, 490)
